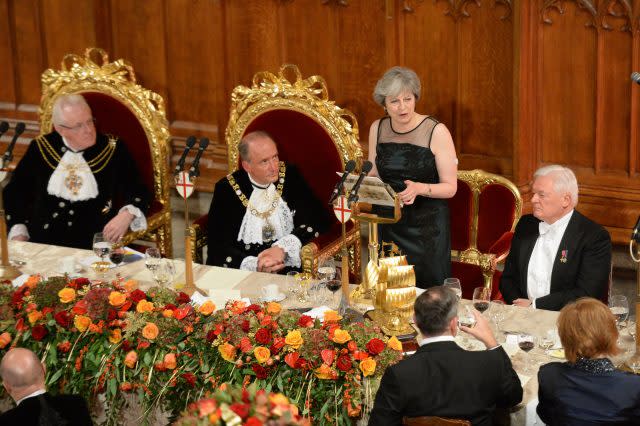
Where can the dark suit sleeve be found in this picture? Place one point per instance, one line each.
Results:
(544, 409)
(593, 273)
(130, 188)
(389, 403)
(510, 388)
(510, 285)
(19, 192)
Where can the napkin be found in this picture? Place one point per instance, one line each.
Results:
(523, 379)
(18, 281)
(217, 278)
(318, 313)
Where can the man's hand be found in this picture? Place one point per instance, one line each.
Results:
(481, 331)
(525, 303)
(20, 238)
(118, 226)
(271, 260)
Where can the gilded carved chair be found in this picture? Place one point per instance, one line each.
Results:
(123, 108)
(311, 132)
(484, 213)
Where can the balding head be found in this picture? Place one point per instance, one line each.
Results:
(22, 373)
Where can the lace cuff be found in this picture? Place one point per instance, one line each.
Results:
(139, 222)
(291, 246)
(249, 263)
(18, 230)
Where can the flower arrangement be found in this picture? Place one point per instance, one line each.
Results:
(116, 340)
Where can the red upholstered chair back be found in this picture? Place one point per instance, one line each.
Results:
(303, 142)
(497, 214)
(461, 211)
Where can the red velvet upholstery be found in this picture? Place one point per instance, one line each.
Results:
(460, 209)
(495, 215)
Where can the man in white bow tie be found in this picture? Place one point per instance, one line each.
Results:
(74, 182)
(557, 254)
(261, 215)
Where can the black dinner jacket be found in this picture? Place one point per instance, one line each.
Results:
(442, 379)
(71, 408)
(583, 270)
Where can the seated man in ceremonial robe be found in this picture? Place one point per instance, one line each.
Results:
(557, 254)
(261, 215)
(74, 182)
(442, 379)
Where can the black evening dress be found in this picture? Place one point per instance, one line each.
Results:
(423, 231)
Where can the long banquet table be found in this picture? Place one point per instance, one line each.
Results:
(45, 259)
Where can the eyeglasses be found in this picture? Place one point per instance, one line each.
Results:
(90, 123)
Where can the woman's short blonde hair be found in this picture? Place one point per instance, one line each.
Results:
(395, 81)
(587, 329)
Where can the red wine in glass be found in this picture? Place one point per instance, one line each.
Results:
(525, 345)
(333, 285)
(481, 306)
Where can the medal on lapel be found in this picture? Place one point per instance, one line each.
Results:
(563, 256)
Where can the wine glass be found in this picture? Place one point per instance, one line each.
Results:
(102, 248)
(152, 258)
(525, 342)
(333, 286)
(454, 285)
(117, 254)
(292, 283)
(497, 311)
(466, 317)
(546, 340)
(164, 272)
(620, 309)
(481, 298)
(327, 270)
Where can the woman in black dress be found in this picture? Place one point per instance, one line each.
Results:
(415, 155)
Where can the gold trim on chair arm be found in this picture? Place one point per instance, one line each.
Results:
(311, 255)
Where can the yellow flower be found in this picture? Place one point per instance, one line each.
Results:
(294, 339)
(150, 331)
(67, 295)
(395, 344)
(130, 359)
(167, 313)
(82, 322)
(130, 285)
(325, 372)
(278, 399)
(207, 308)
(144, 306)
(273, 308)
(34, 316)
(116, 298)
(331, 316)
(115, 335)
(341, 336)
(262, 354)
(368, 366)
(228, 352)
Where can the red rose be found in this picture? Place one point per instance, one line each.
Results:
(144, 344)
(344, 363)
(170, 306)
(278, 343)
(252, 421)
(78, 283)
(302, 364)
(80, 308)
(182, 312)
(263, 336)
(125, 346)
(245, 396)
(352, 346)
(305, 321)
(375, 346)
(38, 332)
(17, 296)
(190, 378)
(112, 314)
(211, 336)
(63, 318)
(245, 326)
(46, 310)
(64, 347)
(183, 298)
(21, 326)
(125, 307)
(245, 345)
(261, 372)
(291, 359)
(137, 295)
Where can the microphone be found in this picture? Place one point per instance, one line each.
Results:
(635, 236)
(635, 77)
(195, 170)
(4, 126)
(191, 141)
(8, 154)
(366, 168)
(338, 189)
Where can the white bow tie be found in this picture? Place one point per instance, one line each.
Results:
(544, 227)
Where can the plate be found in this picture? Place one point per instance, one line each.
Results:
(278, 298)
(558, 353)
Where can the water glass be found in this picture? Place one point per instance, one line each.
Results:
(466, 317)
(454, 285)
(547, 340)
(497, 312)
(327, 270)
(164, 272)
(152, 258)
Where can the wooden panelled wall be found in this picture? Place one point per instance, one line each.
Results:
(519, 83)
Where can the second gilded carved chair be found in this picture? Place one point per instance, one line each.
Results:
(311, 132)
(484, 213)
(125, 109)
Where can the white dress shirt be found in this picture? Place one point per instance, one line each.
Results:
(543, 257)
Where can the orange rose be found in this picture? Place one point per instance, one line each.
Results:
(262, 354)
(325, 372)
(67, 295)
(228, 352)
(130, 359)
(144, 306)
(273, 308)
(115, 335)
(167, 313)
(294, 339)
(5, 339)
(331, 316)
(207, 308)
(395, 344)
(341, 336)
(278, 399)
(130, 285)
(170, 362)
(150, 331)
(33, 280)
(116, 298)
(34, 316)
(368, 366)
(82, 322)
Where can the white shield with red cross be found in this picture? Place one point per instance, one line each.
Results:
(184, 186)
(341, 209)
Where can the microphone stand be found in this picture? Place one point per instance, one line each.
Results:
(7, 271)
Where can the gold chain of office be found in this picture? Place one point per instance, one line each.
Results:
(245, 202)
(99, 162)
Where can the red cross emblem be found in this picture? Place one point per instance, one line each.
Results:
(342, 212)
(184, 185)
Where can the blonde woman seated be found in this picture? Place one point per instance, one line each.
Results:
(588, 389)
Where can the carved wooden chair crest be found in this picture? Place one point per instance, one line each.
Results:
(311, 132)
(484, 213)
(125, 109)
